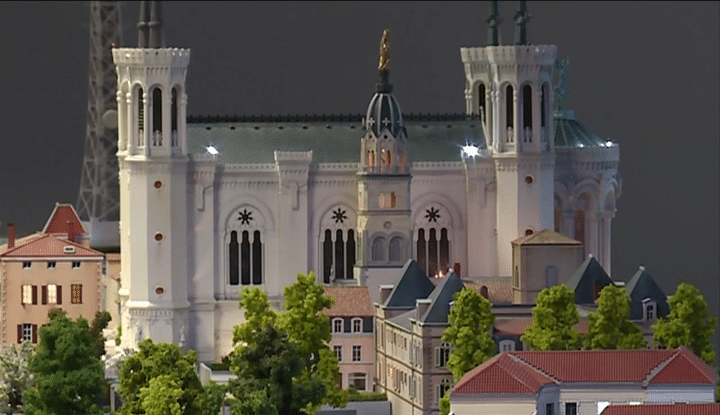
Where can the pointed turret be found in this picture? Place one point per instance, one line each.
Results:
(521, 19)
(150, 33)
(493, 22)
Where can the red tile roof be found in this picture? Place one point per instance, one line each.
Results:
(664, 409)
(499, 288)
(59, 218)
(46, 245)
(502, 372)
(518, 325)
(350, 301)
(644, 366)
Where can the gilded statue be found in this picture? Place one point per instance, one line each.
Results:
(384, 51)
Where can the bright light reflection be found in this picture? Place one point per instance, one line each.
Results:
(471, 150)
(581, 145)
(609, 143)
(212, 150)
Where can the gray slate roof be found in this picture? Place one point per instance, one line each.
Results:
(641, 286)
(413, 284)
(441, 298)
(333, 139)
(584, 279)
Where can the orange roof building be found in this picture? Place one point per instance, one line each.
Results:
(47, 269)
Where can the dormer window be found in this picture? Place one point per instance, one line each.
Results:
(649, 310)
(357, 325)
(337, 325)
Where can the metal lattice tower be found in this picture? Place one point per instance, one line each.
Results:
(98, 200)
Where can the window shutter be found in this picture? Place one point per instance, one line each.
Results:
(43, 294)
(19, 333)
(59, 294)
(437, 357)
(34, 294)
(21, 295)
(80, 292)
(34, 333)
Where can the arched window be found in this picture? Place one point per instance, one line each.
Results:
(378, 249)
(509, 108)
(245, 250)
(174, 118)
(582, 205)
(401, 161)
(444, 250)
(432, 252)
(481, 102)
(370, 160)
(543, 104)
(387, 158)
(396, 249)
(506, 345)
(140, 117)
(421, 249)
(551, 276)
(516, 277)
(527, 107)
(157, 117)
(338, 255)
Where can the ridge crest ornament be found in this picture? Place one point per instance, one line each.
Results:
(384, 51)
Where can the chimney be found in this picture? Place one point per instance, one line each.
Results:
(457, 269)
(11, 235)
(385, 291)
(71, 231)
(421, 306)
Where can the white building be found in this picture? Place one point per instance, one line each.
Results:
(216, 205)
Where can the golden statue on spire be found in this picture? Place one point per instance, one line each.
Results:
(384, 51)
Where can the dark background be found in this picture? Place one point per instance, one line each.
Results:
(643, 74)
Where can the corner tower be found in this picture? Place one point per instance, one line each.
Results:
(384, 225)
(152, 158)
(509, 87)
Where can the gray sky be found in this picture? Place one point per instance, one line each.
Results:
(644, 74)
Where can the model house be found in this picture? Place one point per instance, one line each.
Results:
(582, 382)
(51, 268)
(351, 324)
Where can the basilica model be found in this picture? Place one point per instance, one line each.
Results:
(212, 205)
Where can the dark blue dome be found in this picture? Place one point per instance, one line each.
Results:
(383, 111)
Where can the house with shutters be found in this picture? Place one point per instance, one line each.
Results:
(50, 268)
(573, 382)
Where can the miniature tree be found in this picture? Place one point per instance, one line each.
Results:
(554, 316)
(689, 323)
(15, 377)
(609, 326)
(68, 375)
(468, 332)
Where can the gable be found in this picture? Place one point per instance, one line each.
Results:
(59, 220)
(587, 282)
(413, 284)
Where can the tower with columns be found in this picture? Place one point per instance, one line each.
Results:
(152, 156)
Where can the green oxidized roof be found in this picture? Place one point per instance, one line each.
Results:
(571, 133)
(332, 139)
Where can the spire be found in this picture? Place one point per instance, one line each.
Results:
(150, 33)
(521, 19)
(384, 64)
(493, 22)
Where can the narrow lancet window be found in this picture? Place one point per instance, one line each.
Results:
(327, 256)
(350, 257)
(339, 255)
(233, 254)
(257, 259)
(245, 258)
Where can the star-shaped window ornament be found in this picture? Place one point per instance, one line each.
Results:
(339, 215)
(245, 217)
(432, 214)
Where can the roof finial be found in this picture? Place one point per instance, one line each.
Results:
(521, 19)
(150, 33)
(561, 89)
(493, 22)
(384, 63)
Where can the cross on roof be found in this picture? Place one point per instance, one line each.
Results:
(386, 121)
(371, 121)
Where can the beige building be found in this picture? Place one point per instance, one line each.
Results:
(51, 268)
(351, 324)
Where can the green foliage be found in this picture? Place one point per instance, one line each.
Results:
(468, 331)
(444, 404)
(554, 316)
(689, 323)
(306, 328)
(118, 338)
(99, 323)
(355, 396)
(266, 371)
(213, 397)
(15, 377)
(609, 326)
(162, 396)
(152, 361)
(68, 375)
